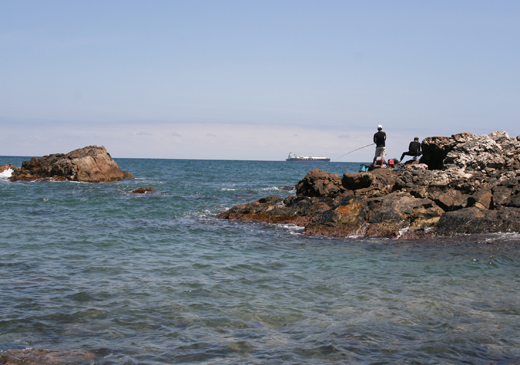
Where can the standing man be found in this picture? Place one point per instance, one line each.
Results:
(379, 140)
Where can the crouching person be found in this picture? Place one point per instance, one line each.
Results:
(414, 149)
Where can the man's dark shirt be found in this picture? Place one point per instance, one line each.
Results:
(414, 147)
(379, 139)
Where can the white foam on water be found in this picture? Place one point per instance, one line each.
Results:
(360, 232)
(292, 228)
(6, 174)
(275, 188)
(502, 235)
(403, 231)
(272, 188)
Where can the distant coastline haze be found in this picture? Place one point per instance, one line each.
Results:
(253, 80)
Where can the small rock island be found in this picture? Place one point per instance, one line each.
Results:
(463, 184)
(87, 164)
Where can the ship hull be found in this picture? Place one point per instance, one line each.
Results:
(309, 159)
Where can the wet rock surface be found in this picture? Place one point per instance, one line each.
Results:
(462, 184)
(7, 167)
(143, 190)
(87, 164)
(31, 356)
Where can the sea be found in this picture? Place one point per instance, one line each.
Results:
(158, 278)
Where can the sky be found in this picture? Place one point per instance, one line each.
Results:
(253, 80)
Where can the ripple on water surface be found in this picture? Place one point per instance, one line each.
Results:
(159, 279)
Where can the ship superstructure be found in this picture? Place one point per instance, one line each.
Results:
(295, 157)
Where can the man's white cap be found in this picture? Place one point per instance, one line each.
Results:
(379, 126)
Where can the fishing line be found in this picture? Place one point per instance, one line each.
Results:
(354, 150)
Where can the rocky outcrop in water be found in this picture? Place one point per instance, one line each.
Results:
(88, 164)
(7, 167)
(32, 356)
(462, 184)
(143, 190)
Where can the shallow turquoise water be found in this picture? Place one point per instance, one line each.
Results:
(158, 279)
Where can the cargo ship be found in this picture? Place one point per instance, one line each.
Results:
(293, 157)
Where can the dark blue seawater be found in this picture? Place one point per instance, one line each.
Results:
(159, 279)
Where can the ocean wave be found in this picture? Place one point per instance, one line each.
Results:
(501, 237)
(293, 228)
(402, 231)
(277, 188)
(6, 174)
(359, 233)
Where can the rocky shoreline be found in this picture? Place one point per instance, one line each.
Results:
(87, 164)
(462, 184)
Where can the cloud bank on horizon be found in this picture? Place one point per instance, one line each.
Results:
(253, 80)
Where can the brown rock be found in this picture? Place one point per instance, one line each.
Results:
(286, 188)
(515, 201)
(143, 190)
(501, 195)
(482, 199)
(31, 356)
(296, 210)
(451, 200)
(355, 181)
(88, 164)
(475, 220)
(463, 184)
(374, 183)
(7, 167)
(392, 213)
(319, 183)
(349, 213)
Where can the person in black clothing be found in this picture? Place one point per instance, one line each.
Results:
(413, 150)
(379, 140)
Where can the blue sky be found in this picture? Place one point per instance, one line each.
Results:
(253, 79)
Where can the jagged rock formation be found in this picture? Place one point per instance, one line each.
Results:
(87, 164)
(462, 184)
(7, 167)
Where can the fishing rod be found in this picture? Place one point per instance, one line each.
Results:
(354, 150)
